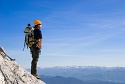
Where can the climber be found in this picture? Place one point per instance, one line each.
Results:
(36, 48)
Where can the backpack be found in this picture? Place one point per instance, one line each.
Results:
(29, 36)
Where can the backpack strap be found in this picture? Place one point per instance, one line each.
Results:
(24, 43)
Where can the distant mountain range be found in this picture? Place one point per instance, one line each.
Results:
(70, 80)
(84, 74)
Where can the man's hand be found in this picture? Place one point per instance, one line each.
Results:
(40, 43)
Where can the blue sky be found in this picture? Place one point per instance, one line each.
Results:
(75, 32)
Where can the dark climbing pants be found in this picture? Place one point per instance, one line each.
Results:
(35, 56)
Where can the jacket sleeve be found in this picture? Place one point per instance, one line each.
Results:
(37, 34)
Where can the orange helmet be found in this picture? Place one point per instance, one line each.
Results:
(37, 22)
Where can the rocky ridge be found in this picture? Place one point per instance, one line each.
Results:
(13, 73)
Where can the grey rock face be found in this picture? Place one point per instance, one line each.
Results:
(12, 73)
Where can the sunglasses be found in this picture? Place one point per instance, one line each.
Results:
(39, 24)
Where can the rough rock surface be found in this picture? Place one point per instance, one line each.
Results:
(12, 73)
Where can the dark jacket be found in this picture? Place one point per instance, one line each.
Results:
(37, 34)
